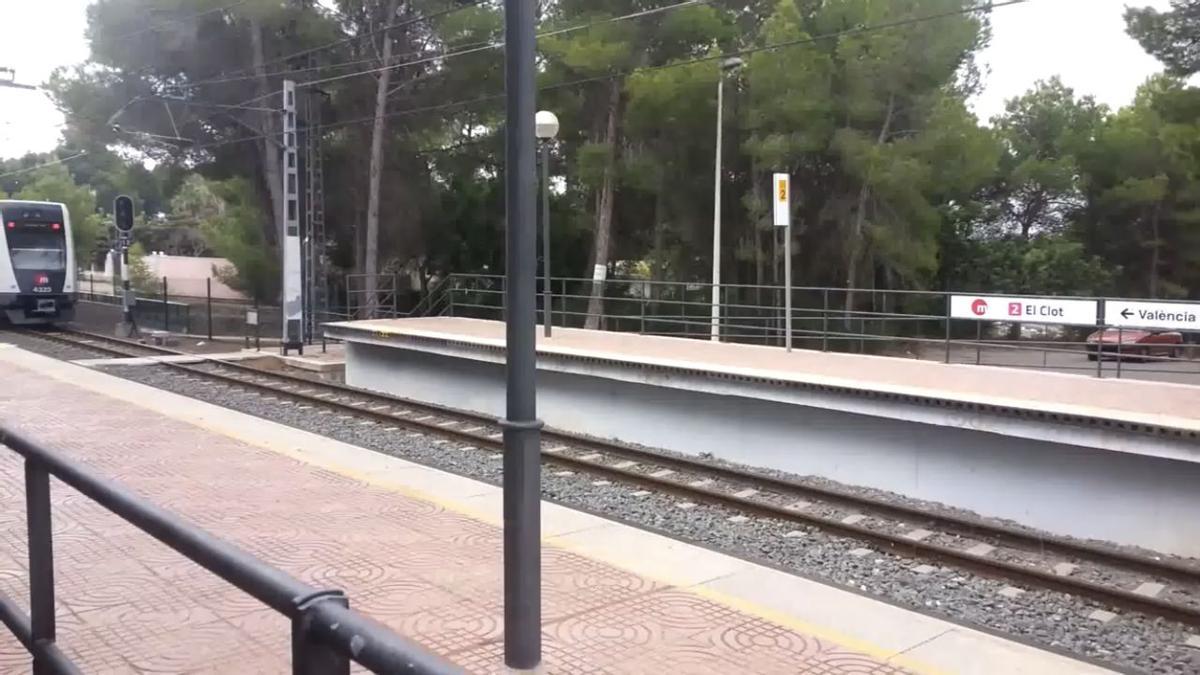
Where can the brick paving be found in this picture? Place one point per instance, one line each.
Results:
(1023, 388)
(129, 604)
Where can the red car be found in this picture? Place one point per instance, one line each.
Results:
(1135, 342)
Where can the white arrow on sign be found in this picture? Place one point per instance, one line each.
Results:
(1163, 315)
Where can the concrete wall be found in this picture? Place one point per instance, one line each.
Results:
(1061, 487)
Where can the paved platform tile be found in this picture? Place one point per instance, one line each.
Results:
(129, 604)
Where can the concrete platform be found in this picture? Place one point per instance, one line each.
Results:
(329, 362)
(416, 548)
(1105, 459)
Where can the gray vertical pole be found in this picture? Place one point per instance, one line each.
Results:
(309, 656)
(126, 289)
(715, 328)
(547, 292)
(947, 328)
(522, 429)
(208, 302)
(825, 320)
(1120, 339)
(787, 284)
(166, 308)
(41, 559)
(978, 340)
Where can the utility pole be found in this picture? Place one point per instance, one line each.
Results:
(522, 429)
(727, 65)
(316, 282)
(292, 299)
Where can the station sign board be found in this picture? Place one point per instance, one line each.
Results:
(783, 199)
(1032, 310)
(1161, 315)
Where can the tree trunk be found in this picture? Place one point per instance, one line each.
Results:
(1155, 249)
(604, 208)
(856, 236)
(378, 130)
(268, 148)
(659, 253)
(860, 216)
(760, 259)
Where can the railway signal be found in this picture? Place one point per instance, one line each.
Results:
(123, 214)
(123, 220)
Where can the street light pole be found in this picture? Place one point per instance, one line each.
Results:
(522, 429)
(547, 299)
(726, 65)
(546, 128)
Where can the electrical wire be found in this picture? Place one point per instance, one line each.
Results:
(470, 48)
(857, 30)
(463, 50)
(191, 17)
(43, 165)
(501, 43)
(336, 43)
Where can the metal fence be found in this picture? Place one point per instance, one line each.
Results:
(903, 323)
(326, 634)
(386, 298)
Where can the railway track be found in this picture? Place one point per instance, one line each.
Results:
(1115, 578)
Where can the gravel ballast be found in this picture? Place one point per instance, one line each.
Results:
(1047, 619)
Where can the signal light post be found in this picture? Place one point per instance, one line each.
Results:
(123, 220)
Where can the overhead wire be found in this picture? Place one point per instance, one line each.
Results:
(61, 160)
(857, 30)
(191, 17)
(462, 50)
(470, 48)
(231, 76)
(500, 43)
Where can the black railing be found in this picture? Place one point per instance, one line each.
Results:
(326, 634)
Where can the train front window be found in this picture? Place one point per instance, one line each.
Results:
(44, 259)
(37, 249)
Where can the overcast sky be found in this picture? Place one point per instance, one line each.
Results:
(1083, 41)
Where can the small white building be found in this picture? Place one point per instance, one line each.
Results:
(186, 276)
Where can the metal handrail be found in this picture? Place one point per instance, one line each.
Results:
(326, 634)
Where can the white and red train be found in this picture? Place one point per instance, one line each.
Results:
(37, 263)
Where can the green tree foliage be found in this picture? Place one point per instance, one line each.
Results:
(896, 184)
(55, 184)
(1052, 264)
(1043, 132)
(860, 120)
(140, 277)
(232, 223)
(1143, 210)
(1170, 36)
